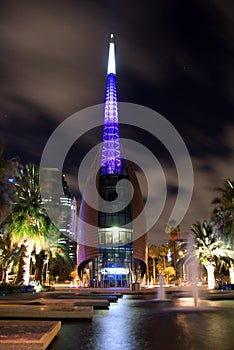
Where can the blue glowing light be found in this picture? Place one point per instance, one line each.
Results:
(111, 158)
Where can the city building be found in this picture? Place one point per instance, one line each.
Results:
(110, 252)
(62, 208)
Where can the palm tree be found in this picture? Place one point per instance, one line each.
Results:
(173, 230)
(162, 262)
(223, 213)
(56, 247)
(9, 257)
(162, 253)
(28, 223)
(153, 254)
(41, 257)
(209, 249)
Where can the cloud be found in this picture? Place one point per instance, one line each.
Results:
(173, 57)
(44, 56)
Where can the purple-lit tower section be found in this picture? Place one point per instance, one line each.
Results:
(111, 158)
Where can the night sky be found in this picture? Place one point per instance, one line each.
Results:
(175, 57)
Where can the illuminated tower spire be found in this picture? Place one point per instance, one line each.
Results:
(111, 159)
(108, 237)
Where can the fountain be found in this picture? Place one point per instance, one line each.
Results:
(192, 270)
(162, 298)
(195, 294)
(161, 291)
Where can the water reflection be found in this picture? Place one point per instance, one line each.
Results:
(206, 330)
(141, 325)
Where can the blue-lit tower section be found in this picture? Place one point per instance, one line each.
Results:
(111, 158)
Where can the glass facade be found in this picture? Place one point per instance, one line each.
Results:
(114, 263)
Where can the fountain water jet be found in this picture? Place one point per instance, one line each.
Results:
(192, 269)
(161, 291)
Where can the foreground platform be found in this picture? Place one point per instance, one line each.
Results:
(54, 311)
(96, 303)
(27, 335)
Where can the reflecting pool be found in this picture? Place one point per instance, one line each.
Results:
(144, 325)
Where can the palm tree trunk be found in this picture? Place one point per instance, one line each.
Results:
(4, 275)
(231, 274)
(23, 275)
(39, 266)
(210, 274)
(154, 271)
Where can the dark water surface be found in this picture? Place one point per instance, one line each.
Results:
(145, 325)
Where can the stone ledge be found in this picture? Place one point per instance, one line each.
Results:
(96, 303)
(58, 311)
(27, 335)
